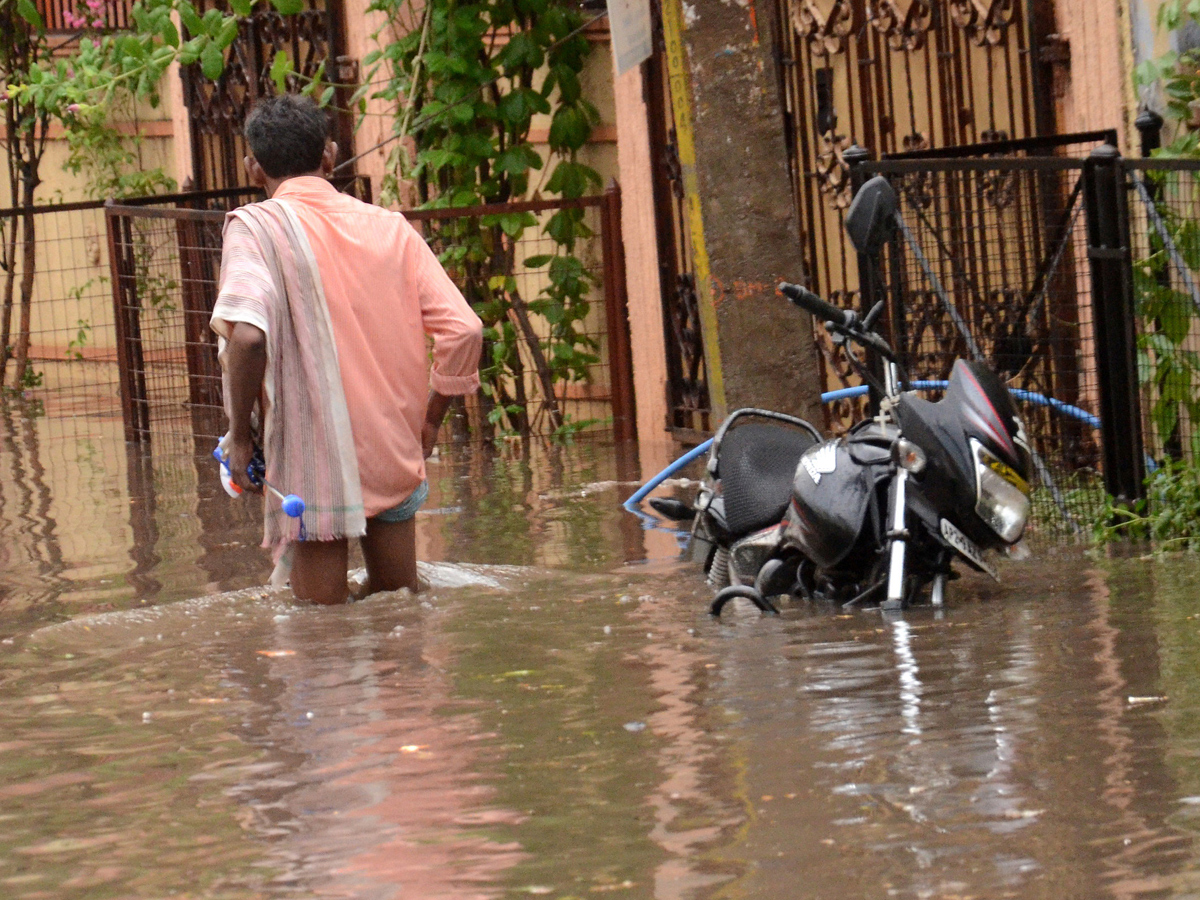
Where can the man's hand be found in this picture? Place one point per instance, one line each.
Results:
(435, 411)
(240, 454)
(429, 436)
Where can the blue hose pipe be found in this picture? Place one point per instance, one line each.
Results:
(640, 494)
(1033, 397)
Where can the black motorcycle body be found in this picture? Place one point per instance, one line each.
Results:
(830, 535)
(882, 512)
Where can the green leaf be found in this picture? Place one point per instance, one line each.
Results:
(565, 268)
(572, 179)
(521, 52)
(241, 8)
(212, 61)
(1146, 73)
(518, 160)
(326, 96)
(170, 34)
(213, 18)
(191, 21)
(513, 224)
(1177, 386)
(281, 68)
(190, 51)
(570, 128)
(1165, 415)
(27, 11)
(561, 226)
(569, 89)
(1175, 317)
(228, 32)
(288, 7)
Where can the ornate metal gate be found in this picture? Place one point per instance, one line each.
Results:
(892, 76)
(218, 108)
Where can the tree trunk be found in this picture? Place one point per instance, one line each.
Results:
(10, 251)
(520, 315)
(10, 284)
(28, 269)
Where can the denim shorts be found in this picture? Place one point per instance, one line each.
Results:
(406, 509)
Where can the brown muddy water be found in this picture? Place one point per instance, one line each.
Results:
(557, 715)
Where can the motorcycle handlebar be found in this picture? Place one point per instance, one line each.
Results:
(810, 302)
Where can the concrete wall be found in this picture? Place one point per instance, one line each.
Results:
(1094, 89)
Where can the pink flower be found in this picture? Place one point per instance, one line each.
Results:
(94, 5)
(73, 108)
(73, 21)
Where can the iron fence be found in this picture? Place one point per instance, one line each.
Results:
(1164, 228)
(991, 263)
(1077, 280)
(56, 304)
(165, 267)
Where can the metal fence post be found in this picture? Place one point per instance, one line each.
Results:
(1149, 125)
(616, 307)
(130, 363)
(1113, 324)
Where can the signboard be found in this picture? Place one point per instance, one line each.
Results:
(629, 26)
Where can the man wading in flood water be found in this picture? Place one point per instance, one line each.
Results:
(324, 307)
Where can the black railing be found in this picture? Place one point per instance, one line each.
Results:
(1076, 277)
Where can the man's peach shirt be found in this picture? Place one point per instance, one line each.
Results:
(386, 291)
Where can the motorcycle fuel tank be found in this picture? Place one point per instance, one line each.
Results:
(831, 494)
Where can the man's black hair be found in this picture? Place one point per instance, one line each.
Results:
(287, 135)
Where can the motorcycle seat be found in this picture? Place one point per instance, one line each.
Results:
(756, 465)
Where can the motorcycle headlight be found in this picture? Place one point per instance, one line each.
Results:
(1002, 496)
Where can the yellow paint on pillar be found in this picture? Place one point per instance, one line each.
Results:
(681, 105)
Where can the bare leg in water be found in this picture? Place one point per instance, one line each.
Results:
(390, 552)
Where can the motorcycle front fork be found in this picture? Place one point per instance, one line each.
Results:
(898, 535)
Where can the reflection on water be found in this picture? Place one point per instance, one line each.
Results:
(550, 720)
(88, 523)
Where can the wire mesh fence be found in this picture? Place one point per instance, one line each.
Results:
(166, 267)
(562, 355)
(58, 329)
(1164, 232)
(991, 263)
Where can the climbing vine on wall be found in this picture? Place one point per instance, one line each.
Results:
(467, 80)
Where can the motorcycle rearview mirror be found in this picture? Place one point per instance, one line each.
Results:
(872, 317)
(871, 217)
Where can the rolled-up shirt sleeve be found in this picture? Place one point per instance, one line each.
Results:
(246, 289)
(447, 317)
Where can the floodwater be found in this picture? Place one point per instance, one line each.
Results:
(558, 716)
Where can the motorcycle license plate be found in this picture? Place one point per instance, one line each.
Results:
(966, 547)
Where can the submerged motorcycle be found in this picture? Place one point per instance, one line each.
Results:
(879, 515)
